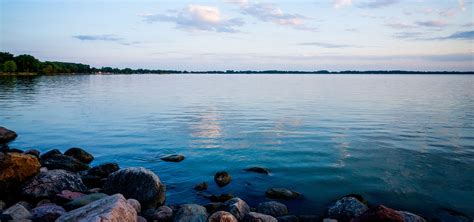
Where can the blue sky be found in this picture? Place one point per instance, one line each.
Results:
(244, 34)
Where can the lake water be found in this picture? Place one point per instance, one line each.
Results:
(406, 141)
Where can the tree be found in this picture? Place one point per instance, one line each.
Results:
(5, 56)
(9, 66)
(27, 63)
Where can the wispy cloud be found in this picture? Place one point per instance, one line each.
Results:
(269, 12)
(109, 38)
(341, 3)
(399, 25)
(198, 18)
(329, 45)
(462, 5)
(468, 25)
(432, 23)
(409, 35)
(469, 35)
(377, 3)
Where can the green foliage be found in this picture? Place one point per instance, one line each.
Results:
(9, 66)
(5, 56)
(27, 63)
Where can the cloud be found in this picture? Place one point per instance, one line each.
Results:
(329, 45)
(269, 12)
(409, 35)
(378, 3)
(399, 25)
(468, 25)
(462, 5)
(198, 18)
(341, 3)
(469, 35)
(432, 23)
(109, 38)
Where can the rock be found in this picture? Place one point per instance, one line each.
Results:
(258, 217)
(33, 152)
(95, 190)
(47, 212)
(163, 213)
(79, 154)
(237, 207)
(329, 220)
(2, 205)
(450, 215)
(15, 168)
(18, 212)
(346, 208)
(50, 153)
(358, 197)
(201, 186)
(272, 208)
(49, 183)
(222, 178)
(92, 181)
(173, 158)
(379, 213)
(191, 213)
(64, 162)
(258, 170)
(288, 218)
(84, 200)
(43, 201)
(220, 198)
(214, 206)
(6, 135)
(67, 195)
(137, 183)
(222, 216)
(103, 170)
(112, 208)
(282, 193)
(14, 150)
(25, 204)
(135, 204)
(411, 217)
(309, 218)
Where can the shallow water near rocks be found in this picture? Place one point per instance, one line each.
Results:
(406, 141)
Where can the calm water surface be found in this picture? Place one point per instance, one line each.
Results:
(403, 140)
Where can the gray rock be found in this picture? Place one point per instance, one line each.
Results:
(48, 212)
(272, 208)
(329, 220)
(222, 178)
(49, 183)
(6, 135)
(288, 218)
(191, 213)
(135, 204)
(103, 170)
(237, 207)
(411, 217)
(260, 170)
(258, 217)
(137, 183)
(50, 153)
(84, 200)
(163, 213)
(282, 193)
(222, 216)
(112, 208)
(173, 158)
(346, 208)
(64, 162)
(18, 212)
(79, 154)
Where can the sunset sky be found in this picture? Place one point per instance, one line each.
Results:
(244, 34)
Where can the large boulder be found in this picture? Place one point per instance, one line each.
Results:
(162, 214)
(6, 135)
(237, 207)
(84, 200)
(18, 212)
(51, 182)
(112, 208)
(222, 216)
(346, 208)
(191, 213)
(258, 217)
(379, 213)
(15, 168)
(272, 208)
(222, 178)
(137, 183)
(64, 162)
(103, 170)
(50, 153)
(79, 154)
(47, 212)
(282, 193)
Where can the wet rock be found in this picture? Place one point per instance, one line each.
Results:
(222, 178)
(222, 216)
(346, 208)
(288, 218)
(237, 207)
(33, 152)
(260, 170)
(191, 213)
(379, 213)
(92, 181)
(282, 193)
(258, 217)
(64, 162)
(47, 213)
(173, 158)
(309, 218)
(112, 208)
(135, 204)
(141, 219)
(18, 212)
(162, 214)
(358, 197)
(450, 215)
(67, 195)
(103, 170)
(6, 135)
(15, 168)
(411, 217)
(49, 183)
(84, 200)
(50, 153)
(214, 206)
(25, 204)
(137, 183)
(201, 186)
(79, 154)
(14, 150)
(329, 220)
(43, 201)
(219, 198)
(272, 208)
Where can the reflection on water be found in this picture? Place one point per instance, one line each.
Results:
(402, 140)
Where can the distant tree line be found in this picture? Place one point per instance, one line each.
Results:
(11, 64)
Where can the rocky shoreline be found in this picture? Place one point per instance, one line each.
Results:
(56, 186)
